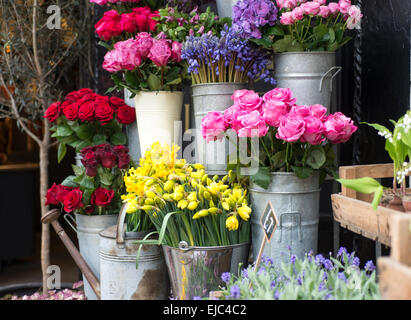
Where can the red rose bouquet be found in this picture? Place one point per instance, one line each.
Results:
(96, 188)
(85, 118)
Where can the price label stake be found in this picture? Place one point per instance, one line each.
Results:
(269, 223)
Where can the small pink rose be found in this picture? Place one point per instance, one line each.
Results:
(274, 111)
(311, 8)
(313, 134)
(247, 100)
(321, 2)
(354, 18)
(281, 94)
(301, 111)
(213, 126)
(324, 12)
(144, 42)
(176, 49)
(334, 8)
(339, 128)
(344, 5)
(298, 14)
(251, 125)
(287, 18)
(318, 111)
(291, 128)
(160, 53)
(230, 114)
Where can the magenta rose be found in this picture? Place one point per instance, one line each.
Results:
(291, 128)
(53, 112)
(247, 100)
(274, 111)
(281, 94)
(144, 42)
(109, 26)
(318, 111)
(176, 48)
(344, 5)
(313, 134)
(160, 53)
(230, 113)
(251, 125)
(213, 126)
(112, 61)
(339, 128)
(128, 54)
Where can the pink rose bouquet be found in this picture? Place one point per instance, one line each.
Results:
(301, 25)
(292, 138)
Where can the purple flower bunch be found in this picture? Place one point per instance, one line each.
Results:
(250, 15)
(229, 57)
(185, 5)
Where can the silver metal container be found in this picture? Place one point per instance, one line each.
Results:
(239, 257)
(309, 75)
(195, 271)
(212, 97)
(225, 7)
(296, 203)
(88, 229)
(133, 143)
(119, 277)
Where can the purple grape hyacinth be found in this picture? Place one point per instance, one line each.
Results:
(250, 15)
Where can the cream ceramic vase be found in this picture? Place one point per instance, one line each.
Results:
(158, 117)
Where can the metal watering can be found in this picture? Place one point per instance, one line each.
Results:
(120, 278)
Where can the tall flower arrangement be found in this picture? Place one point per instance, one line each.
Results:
(85, 118)
(194, 208)
(225, 58)
(292, 138)
(301, 26)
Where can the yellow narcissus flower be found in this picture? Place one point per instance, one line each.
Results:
(192, 197)
(192, 206)
(177, 196)
(132, 206)
(214, 210)
(198, 166)
(231, 223)
(244, 212)
(201, 214)
(149, 201)
(225, 206)
(169, 185)
(150, 194)
(213, 188)
(147, 208)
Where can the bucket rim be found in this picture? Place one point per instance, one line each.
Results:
(217, 84)
(209, 248)
(306, 53)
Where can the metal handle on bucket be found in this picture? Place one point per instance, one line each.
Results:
(332, 78)
(68, 217)
(121, 229)
(291, 214)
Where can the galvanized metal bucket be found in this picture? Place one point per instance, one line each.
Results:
(88, 229)
(120, 279)
(296, 203)
(309, 75)
(195, 271)
(225, 7)
(212, 97)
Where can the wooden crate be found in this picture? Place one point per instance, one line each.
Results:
(353, 210)
(395, 271)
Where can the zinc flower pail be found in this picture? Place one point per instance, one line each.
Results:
(309, 75)
(88, 229)
(120, 277)
(158, 116)
(225, 7)
(296, 203)
(196, 271)
(212, 97)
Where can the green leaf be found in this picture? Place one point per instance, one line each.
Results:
(262, 178)
(154, 82)
(85, 131)
(64, 130)
(131, 79)
(320, 31)
(296, 47)
(377, 197)
(99, 139)
(363, 185)
(316, 158)
(119, 138)
(78, 171)
(263, 42)
(303, 172)
(83, 144)
(61, 152)
(274, 31)
(68, 182)
(105, 45)
(282, 45)
(87, 183)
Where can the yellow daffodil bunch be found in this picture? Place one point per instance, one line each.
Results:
(207, 211)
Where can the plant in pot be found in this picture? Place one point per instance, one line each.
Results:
(85, 119)
(304, 41)
(203, 223)
(293, 152)
(398, 146)
(93, 194)
(148, 64)
(219, 65)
